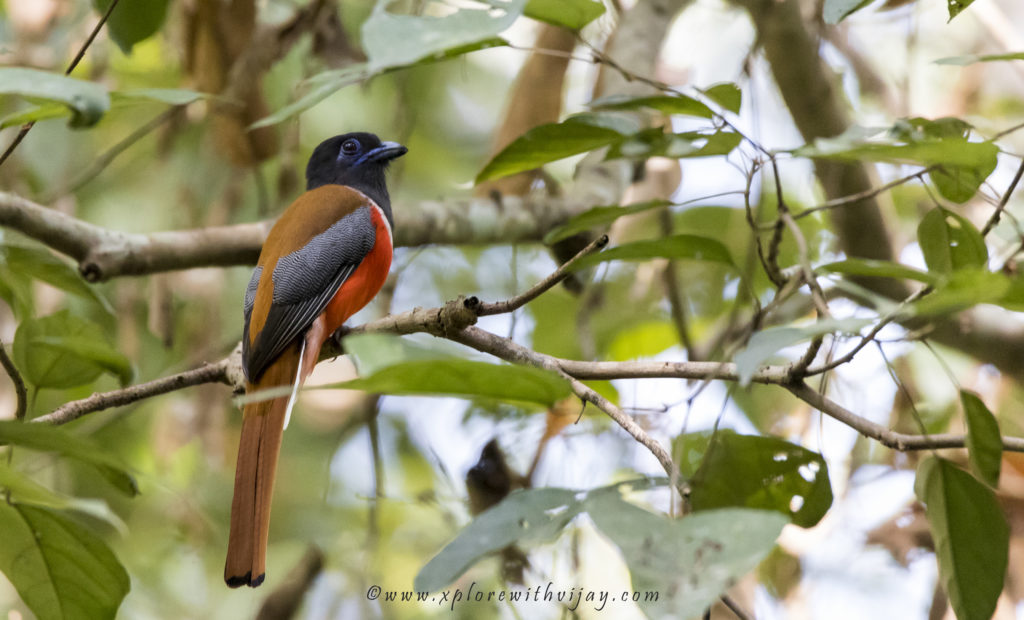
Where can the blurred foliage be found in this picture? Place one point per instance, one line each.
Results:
(158, 129)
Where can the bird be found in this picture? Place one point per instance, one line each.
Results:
(324, 259)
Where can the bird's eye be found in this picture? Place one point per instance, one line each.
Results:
(350, 147)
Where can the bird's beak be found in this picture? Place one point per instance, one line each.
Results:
(386, 152)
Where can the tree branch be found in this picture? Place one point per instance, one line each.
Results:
(227, 371)
(456, 321)
(563, 272)
(103, 254)
(891, 439)
(994, 219)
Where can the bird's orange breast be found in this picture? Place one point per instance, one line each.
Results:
(367, 280)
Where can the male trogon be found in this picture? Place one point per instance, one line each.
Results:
(325, 258)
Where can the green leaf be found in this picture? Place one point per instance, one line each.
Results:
(392, 40)
(133, 21)
(35, 114)
(656, 143)
(836, 11)
(971, 536)
(645, 339)
(690, 247)
(1013, 299)
(749, 471)
(324, 85)
(952, 152)
(41, 264)
(689, 562)
(26, 491)
(87, 101)
(877, 268)
(48, 438)
(955, 7)
(59, 568)
(599, 217)
(548, 143)
(950, 242)
(688, 450)
(16, 291)
(727, 95)
(960, 183)
(375, 351)
(666, 104)
(47, 111)
(719, 143)
(99, 352)
(920, 129)
(464, 378)
(767, 342)
(528, 516)
(572, 14)
(971, 59)
(62, 350)
(984, 442)
(962, 290)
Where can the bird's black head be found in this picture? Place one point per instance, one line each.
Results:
(357, 159)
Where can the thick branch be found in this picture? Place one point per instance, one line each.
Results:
(103, 254)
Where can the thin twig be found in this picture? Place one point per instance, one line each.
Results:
(871, 193)
(870, 336)
(734, 608)
(508, 350)
(902, 388)
(817, 295)
(19, 383)
(772, 272)
(891, 439)
(103, 160)
(994, 219)
(1006, 132)
(27, 127)
(535, 291)
(373, 426)
(772, 257)
(627, 423)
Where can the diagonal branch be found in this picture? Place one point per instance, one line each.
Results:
(563, 272)
(456, 321)
(227, 370)
(888, 438)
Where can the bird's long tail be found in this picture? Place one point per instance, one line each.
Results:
(263, 424)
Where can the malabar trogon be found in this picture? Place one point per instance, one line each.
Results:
(325, 258)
